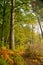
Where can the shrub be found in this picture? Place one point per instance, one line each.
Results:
(3, 61)
(18, 60)
(1, 44)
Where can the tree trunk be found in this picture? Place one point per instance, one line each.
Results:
(40, 26)
(12, 43)
(32, 34)
(3, 22)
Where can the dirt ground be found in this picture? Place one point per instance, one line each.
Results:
(32, 62)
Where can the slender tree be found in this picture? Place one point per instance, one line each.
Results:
(36, 4)
(40, 26)
(12, 43)
(3, 22)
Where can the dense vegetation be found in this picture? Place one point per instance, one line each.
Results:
(21, 32)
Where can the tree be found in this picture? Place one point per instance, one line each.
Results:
(3, 22)
(19, 17)
(12, 43)
(37, 6)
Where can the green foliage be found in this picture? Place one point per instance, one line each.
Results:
(19, 60)
(1, 44)
(41, 0)
(23, 15)
(23, 33)
(3, 62)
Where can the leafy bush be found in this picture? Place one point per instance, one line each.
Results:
(3, 62)
(1, 44)
(18, 60)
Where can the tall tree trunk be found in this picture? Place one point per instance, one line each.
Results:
(12, 43)
(32, 34)
(3, 22)
(40, 26)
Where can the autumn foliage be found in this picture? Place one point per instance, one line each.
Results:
(5, 53)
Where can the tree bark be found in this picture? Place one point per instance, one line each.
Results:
(32, 34)
(3, 22)
(12, 43)
(40, 26)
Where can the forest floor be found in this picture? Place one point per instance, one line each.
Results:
(29, 59)
(32, 58)
(33, 61)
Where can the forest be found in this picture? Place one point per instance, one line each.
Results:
(21, 32)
